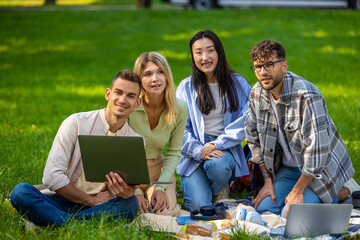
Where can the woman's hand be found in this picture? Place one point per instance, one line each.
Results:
(206, 150)
(143, 204)
(216, 153)
(159, 200)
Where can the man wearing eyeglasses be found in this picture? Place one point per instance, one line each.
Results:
(292, 137)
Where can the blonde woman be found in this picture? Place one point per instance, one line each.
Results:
(160, 119)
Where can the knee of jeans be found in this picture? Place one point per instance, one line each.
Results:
(261, 208)
(267, 205)
(19, 194)
(130, 206)
(191, 205)
(215, 172)
(134, 206)
(195, 204)
(217, 166)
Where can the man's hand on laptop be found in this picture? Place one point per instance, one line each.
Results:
(117, 186)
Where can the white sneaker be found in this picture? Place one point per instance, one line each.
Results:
(30, 226)
(223, 194)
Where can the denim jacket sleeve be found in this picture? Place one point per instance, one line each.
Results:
(191, 145)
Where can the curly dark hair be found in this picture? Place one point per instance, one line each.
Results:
(265, 49)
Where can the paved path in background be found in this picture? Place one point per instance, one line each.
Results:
(88, 8)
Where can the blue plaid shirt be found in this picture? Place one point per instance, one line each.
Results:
(312, 137)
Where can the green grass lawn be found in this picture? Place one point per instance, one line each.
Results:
(33, 3)
(53, 64)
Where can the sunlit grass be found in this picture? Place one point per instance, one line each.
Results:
(53, 64)
(331, 49)
(83, 90)
(33, 3)
(14, 228)
(172, 54)
(183, 36)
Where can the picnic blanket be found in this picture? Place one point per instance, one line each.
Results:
(275, 225)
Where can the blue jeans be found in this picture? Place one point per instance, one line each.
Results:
(197, 190)
(46, 210)
(286, 178)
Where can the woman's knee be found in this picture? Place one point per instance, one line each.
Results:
(194, 204)
(217, 166)
(196, 192)
(190, 205)
(218, 171)
(191, 201)
(220, 164)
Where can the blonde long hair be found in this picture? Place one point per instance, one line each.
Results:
(160, 60)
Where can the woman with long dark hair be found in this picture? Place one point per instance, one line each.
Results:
(217, 99)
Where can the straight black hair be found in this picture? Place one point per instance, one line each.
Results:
(222, 74)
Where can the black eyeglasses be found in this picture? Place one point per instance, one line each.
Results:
(267, 66)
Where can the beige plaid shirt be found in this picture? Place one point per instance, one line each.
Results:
(312, 137)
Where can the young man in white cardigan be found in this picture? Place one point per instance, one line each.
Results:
(73, 196)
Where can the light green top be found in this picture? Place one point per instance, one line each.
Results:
(162, 134)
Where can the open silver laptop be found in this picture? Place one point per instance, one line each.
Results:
(123, 154)
(311, 220)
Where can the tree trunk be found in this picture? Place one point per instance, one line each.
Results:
(143, 4)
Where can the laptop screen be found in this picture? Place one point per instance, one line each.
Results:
(310, 220)
(123, 154)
